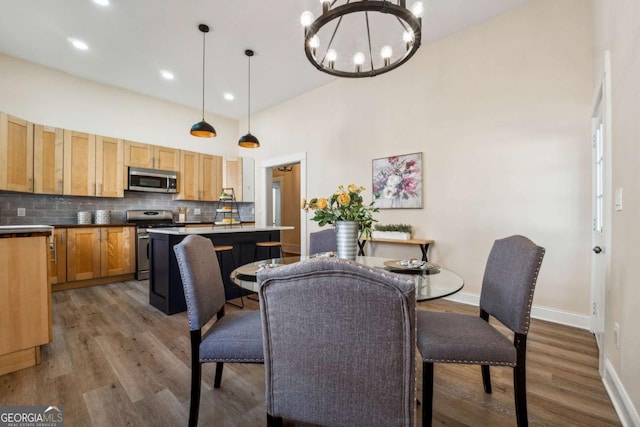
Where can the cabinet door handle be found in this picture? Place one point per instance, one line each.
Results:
(59, 186)
(54, 250)
(30, 184)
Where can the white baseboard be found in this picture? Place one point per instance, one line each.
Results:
(622, 403)
(537, 312)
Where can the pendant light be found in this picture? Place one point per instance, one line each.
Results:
(249, 141)
(203, 129)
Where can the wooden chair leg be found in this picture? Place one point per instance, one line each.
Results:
(274, 421)
(427, 393)
(218, 378)
(486, 379)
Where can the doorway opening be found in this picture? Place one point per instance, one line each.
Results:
(284, 186)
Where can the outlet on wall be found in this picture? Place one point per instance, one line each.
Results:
(616, 334)
(22, 212)
(197, 211)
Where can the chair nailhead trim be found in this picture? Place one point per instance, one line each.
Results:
(471, 362)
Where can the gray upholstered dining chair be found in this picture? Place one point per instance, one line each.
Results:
(323, 241)
(339, 344)
(507, 293)
(234, 338)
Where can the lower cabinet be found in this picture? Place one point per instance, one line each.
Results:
(25, 304)
(58, 256)
(92, 253)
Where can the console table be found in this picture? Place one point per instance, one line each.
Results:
(422, 243)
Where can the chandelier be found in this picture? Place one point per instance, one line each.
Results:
(334, 44)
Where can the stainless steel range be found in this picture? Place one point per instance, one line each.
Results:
(144, 220)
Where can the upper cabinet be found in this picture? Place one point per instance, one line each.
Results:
(48, 152)
(238, 173)
(79, 164)
(166, 158)
(149, 156)
(248, 179)
(16, 154)
(109, 167)
(92, 165)
(200, 176)
(188, 185)
(210, 177)
(232, 175)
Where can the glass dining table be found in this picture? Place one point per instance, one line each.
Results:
(432, 281)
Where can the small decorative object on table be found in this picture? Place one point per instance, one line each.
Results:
(346, 211)
(392, 231)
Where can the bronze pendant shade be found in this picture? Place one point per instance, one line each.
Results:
(203, 129)
(249, 140)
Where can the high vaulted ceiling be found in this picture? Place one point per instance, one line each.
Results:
(130, 41)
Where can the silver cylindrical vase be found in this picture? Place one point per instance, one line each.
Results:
(347, 239)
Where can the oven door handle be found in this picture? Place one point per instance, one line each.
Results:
(143, 237)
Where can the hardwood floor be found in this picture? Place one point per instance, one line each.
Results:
(116, 361)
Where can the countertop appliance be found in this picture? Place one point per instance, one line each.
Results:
(153, 180)
(144, 220)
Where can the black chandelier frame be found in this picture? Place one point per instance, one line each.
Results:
(406, 18)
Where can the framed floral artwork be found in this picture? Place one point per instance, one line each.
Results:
(397, 182)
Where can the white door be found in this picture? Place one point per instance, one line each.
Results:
(601, 205)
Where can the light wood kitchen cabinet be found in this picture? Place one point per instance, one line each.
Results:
(117, 251)
(79, 164)
(16, 154)
(200, 176)
(166, 158)
(83, 253)
(25, 305)
(138, 154)
(92, 165)
(109, 167)
(232, 175)
(48, 159)
(189, 174)
(150, 156)
(58, 257)
(95, 252)
(210, 177)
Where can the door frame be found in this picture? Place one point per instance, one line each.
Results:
(266, 203)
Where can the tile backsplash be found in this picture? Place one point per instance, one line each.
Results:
(58, 210)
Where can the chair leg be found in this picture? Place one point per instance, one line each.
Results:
(196, 375)
(520, 381)
(486, 379)
(427, 393)
(274, 421)
(218, 378)
(241, 305)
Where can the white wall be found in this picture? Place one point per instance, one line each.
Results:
(42, 95)
(618, 30)
(501, 113)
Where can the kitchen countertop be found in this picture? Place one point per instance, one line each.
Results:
(24, 230)
(183, 231)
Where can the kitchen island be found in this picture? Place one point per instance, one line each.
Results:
(25, 295)
(165, 285)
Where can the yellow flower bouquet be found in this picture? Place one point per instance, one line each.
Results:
(343, 205)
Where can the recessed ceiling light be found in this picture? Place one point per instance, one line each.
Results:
(167, 74)
(228, 96)
(78, 44)
(101, 2)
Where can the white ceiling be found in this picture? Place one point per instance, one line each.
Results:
(130, 41)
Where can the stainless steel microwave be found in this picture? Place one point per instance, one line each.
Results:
(153, 180)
